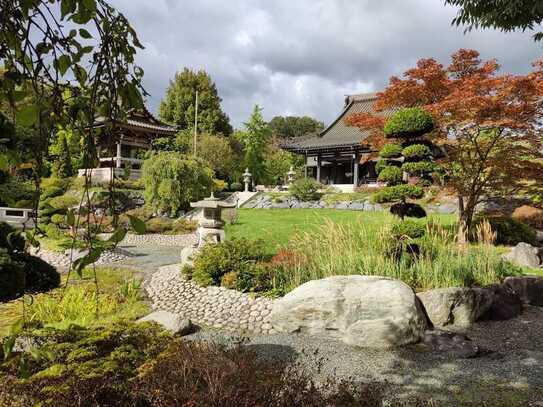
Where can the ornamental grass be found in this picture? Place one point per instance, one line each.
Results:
(437, 259)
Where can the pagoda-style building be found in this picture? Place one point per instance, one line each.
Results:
(121, 148)
(340, 155)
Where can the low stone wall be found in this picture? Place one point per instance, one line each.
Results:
(217, 307)
(62, 260)
(157, 239)
(287, 202)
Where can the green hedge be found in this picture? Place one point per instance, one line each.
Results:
(391, 175)
(390, 151)
(410, 122)
(416, 151)
(510, 231)
(418, 167)
(409, 228)
(306, 189)
(397, 192)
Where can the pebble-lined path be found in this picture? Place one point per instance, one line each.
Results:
(216, 307)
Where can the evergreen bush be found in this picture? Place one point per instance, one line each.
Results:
(419, 167)
(216, 260)
(12, 277)
(409, 228)
(40, 275)
(409, 123)
(391, 151)
(510, 231)
(397, 192)
(306, 189)
(392, 175)
(416, 151)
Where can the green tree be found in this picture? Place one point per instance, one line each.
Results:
(277, 163)
(178, 105)
(505, 15)
(411, 157)
(62, 164)
(219, 155)
(293, 126)
(173, 180)
(255, 138)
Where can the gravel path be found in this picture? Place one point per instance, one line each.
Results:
(508, 373)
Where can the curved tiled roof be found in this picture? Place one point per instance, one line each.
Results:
(142, 119)
(338, 135)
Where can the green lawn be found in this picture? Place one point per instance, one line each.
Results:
(277, 226)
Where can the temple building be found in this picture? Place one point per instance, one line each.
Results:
(121, 152)
(339, 155)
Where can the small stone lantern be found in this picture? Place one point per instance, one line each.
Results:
(247, 179)
(210, 226)
(291, 175)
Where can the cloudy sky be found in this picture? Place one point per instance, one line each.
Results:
(300, 57)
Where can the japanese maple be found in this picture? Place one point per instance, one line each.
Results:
(488, 123)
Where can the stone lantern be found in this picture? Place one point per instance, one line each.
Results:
(247, 179)
(291, 175)
(210, 226)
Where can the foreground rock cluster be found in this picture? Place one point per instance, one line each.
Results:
(217, 307)
(365, 311)
(359, 310)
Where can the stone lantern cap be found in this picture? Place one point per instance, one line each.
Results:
(212, 203)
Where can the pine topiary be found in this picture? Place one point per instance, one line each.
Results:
(409, 123)
(416, 152)
(391, 175)
(390, 151)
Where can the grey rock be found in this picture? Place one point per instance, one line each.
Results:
(505, 305)
(449, 343)
(529, 288)
(524, 255)
(187, 256)
(367, 311)
(174, 323)
(357, 206)
(458, 306)
(342, 205)
(447, 208)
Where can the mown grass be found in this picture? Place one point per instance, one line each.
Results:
(278, 226)
(118, 298)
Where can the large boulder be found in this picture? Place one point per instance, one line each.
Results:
(529, 288)
(366, 311)
(506, 304)
(458, 306)
(525, 255)
(175, 323)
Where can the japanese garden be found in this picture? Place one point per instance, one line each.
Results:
(155, 251)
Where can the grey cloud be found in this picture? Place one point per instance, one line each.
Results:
(301, 56)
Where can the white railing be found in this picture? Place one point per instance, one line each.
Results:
(18, 217)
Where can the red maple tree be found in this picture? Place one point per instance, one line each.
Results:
(489, 124)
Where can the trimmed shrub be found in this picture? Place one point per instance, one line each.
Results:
(236, 186)
(391, 175)
(411, 122)
(40, 275)
(418, 167)
(410, 210)
(58, 219)
(306, 189)
(51, 192)
(397, 192)
(12, 277)
(416, 151)
(64, 202)
(216, 260)
(391, 151)
(409, 228)
(510, 231)
(530, 215)
(380, 165)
